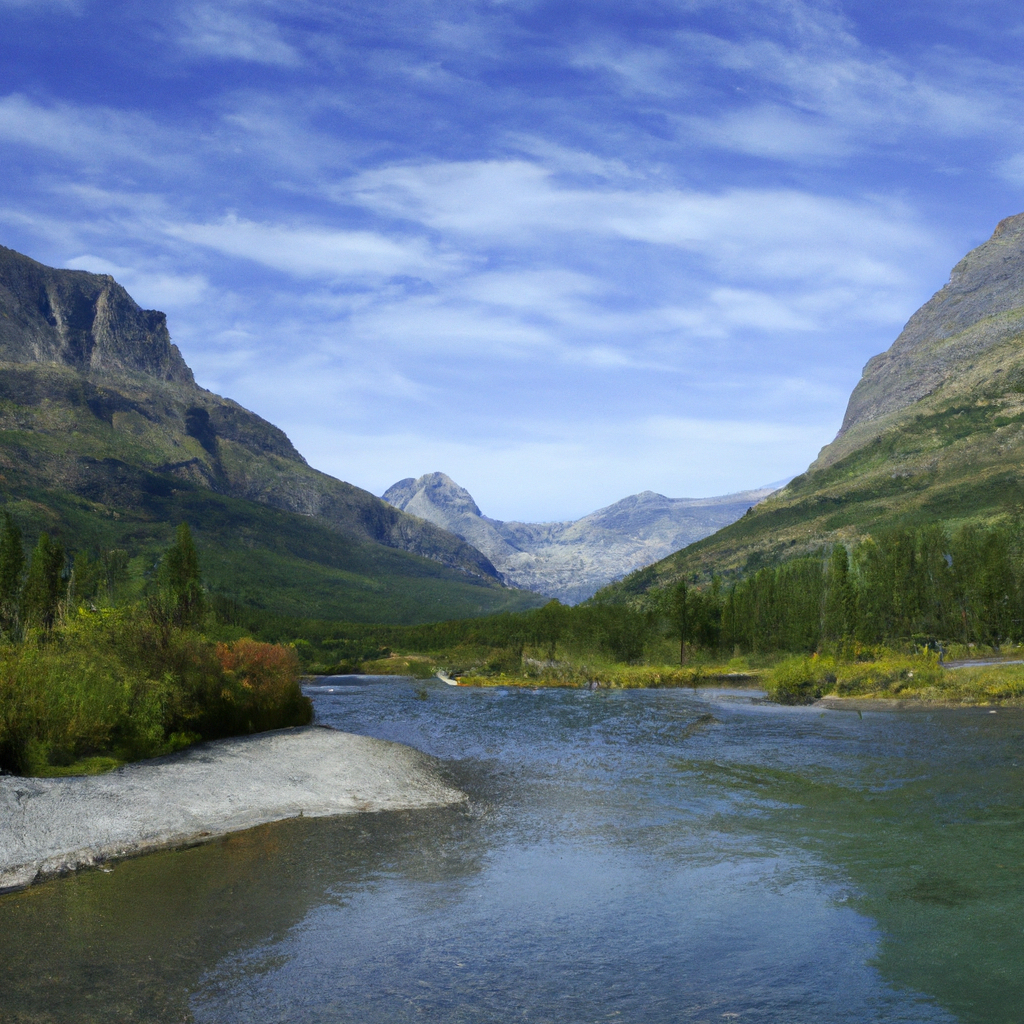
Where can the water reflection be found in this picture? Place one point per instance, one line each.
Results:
(640, 856)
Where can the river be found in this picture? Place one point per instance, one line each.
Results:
(626, 856)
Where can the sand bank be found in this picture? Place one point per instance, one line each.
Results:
(51, 826)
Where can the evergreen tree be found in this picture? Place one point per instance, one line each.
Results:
(12, 568)
(44, 586)
(839, 596)
(679, 614)
(183, 580)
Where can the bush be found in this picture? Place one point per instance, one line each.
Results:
(261, 688)
(122, 685)
(800, 680)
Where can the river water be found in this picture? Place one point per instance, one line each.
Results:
(626, 857)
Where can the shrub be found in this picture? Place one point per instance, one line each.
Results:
(800, 680)
(261, 688)
(122, 685)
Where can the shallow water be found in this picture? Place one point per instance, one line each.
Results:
(635, 856)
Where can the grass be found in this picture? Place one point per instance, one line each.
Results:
(802, 680)
(618, 677)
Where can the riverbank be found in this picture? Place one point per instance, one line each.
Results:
(53, 826)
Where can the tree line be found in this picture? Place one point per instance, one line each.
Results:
(39, 591)
(926, 584)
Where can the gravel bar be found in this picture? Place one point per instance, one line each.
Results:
(53, 826)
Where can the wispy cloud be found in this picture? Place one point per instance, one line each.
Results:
(231, 31)
(782, 233)
(314, 251)
(85, 134)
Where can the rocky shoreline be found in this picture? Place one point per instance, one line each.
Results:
(54, 826)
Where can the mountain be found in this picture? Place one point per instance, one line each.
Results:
(571, 560)
(933, 432)
(106, 439)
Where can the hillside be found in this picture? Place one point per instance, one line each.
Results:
(105, 439)
(571, 560)
(934, 432)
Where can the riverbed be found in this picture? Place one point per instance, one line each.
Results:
(625, 856)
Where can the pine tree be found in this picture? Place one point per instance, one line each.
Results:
(44, 586)
(839, 596)
(183, 580)
(679, 613)
(12, 568)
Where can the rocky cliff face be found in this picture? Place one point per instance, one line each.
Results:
(980, 308)
(97, 402)
(87, 322)
(572, 560)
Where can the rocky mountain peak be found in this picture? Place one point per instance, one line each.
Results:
(84, 321)
(981, 306)
(432, 493)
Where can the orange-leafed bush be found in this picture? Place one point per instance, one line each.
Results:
(261, 686)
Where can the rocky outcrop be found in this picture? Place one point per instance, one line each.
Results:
(572, 560)
(980, 307)
(83, 321)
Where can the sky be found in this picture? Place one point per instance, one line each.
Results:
(563, 252)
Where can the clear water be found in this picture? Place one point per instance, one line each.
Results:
(634, 856)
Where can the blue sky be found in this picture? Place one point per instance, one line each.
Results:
(563, 252)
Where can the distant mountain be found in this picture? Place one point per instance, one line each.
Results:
(933, 433)
(106, 439)
(571, 560)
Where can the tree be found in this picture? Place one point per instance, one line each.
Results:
(44, 586)
(679, 614)
(839, 596)
(182, 580)
(12, 568)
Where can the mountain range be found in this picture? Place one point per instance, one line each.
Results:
(933, 433)
(106, 440)
(573, 559)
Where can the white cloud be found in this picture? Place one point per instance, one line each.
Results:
(775, 132)
(86, 134)
(808, 89)
(780, 233)
(151, 288)
(227, 31)
(314, 251)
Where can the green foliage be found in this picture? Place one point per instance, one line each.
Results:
(799, 681)
(85, 690)
(12, 568)
(121, 685)
(45, 586)
(887, 675)
(181, 578)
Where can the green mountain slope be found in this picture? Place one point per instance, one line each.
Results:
(934, 432)
(106, 440)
